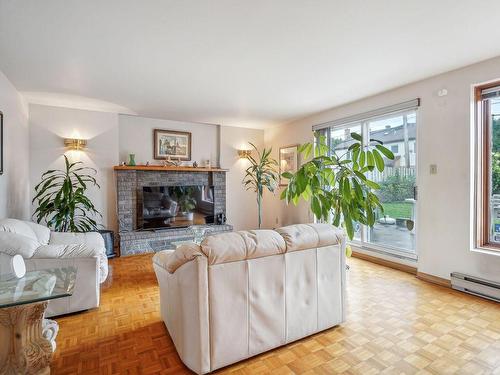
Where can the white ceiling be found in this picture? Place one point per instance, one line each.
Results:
(236, 62)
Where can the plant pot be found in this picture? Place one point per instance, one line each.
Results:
(187, 216)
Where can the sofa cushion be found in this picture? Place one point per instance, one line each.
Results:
(18, 227)
(13, 243)
(90, 239)
(307, 236)
(66, 251)
(236, 246)
(173, 259)
(41, 231)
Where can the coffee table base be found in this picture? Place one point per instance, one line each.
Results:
(30, 339)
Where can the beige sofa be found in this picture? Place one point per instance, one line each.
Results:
(43, 249)
(243, 293)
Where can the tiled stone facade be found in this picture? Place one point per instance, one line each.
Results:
(139, 242)
(130, 184)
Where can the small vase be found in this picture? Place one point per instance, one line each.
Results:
(131, 160)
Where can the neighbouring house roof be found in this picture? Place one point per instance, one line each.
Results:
(391, 135)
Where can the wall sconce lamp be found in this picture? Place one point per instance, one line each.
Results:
(244, 153)
(75, 144)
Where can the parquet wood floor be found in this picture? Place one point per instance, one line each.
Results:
(396, 324)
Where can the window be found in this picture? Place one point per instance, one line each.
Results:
(395, 229)
(487, 176)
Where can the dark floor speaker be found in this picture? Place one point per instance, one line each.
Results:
(109, 242)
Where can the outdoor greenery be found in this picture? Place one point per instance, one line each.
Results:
(260, 175)
(396, 188)
(398, 209)
(495, 159)
(338, 185)
(62, 201)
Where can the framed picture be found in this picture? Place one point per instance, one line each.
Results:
(171, 143)
(1, 142)
(289, 160)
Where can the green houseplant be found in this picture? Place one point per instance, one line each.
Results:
(185, 200)
(260, 175)
(337, 186)
(62, 201)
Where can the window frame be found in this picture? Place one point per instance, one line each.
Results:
(482, 174)
(364, 241)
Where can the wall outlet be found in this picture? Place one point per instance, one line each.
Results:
(433, 169)
(442, 92)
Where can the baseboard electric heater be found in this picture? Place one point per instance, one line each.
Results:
(475, 285)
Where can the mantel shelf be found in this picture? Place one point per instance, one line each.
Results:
(166, 169)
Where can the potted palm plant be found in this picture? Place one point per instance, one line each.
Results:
(338, 187)
(261, 175)
(62, 201)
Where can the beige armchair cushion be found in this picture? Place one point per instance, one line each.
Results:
(236, 246)
(306, 236)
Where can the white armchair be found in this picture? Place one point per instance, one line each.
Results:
(243, 293)
(43, 249)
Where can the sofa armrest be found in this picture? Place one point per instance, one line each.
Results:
(184, 307)
(72, 250)
(86, 293)
(171, 260)
(75, 251)
(90, 239)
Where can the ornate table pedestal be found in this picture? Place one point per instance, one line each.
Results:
(28, 340)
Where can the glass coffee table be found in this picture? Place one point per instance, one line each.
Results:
(27, 339)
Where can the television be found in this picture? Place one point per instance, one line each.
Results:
(166, 207)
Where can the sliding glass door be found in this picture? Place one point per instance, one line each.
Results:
(395, 228)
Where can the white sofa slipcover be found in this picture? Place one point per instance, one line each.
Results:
(43, 249)
(243, 293)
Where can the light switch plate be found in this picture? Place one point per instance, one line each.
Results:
(433, 169)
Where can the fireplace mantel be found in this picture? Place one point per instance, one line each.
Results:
(159, 168)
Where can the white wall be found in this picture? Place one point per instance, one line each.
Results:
(443, 138)
(111, 137)
(49, 125)
(14, 182)
(277, 213)
(136, 137)
(242, 210)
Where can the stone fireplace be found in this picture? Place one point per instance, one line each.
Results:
(130, 183)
